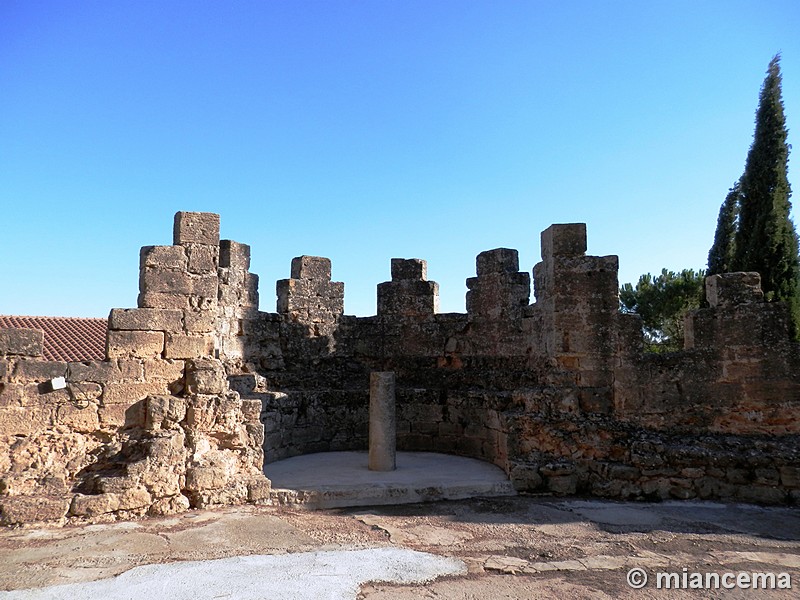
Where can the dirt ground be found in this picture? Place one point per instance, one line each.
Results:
(514, 547)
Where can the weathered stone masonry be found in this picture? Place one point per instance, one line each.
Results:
(153, 429)
(200, 388)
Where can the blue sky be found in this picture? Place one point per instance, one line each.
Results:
(364, 131)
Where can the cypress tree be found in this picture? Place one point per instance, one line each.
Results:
(721, 255)
(766, 240)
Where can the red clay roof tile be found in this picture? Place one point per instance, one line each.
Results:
(69, 339)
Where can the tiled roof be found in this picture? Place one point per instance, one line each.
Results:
(70, 339)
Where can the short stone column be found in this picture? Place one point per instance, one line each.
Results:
(382, 426)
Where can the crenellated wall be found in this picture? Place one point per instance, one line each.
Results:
(200, 388)
(152, 429)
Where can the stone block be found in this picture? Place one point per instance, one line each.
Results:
(692, 472)
(248, 383)
(525, 478)
(83, 392)
(711, 487)
(301, 296)
(134, 344)
(177, 283)
(250, 296)
(21, 342)
(11, 394)
(164, 282)
(18, 510)
(163, 257)
(203, 303)
(42, 395)
(499, 260)
(760, 494)
(201, 413)
(739, 476)
(234, 255)
(597, 378)
(188, 346)
(205, 286)
(414, 269)
(164, 411)
(408, 297)
(767, 476)
(115, 484)
(790, 476)
(158, 369)
(311, 267)
(24, 420)
(625, 472)
(114, 416)
(145, 319)
(203, 259)
(258, 489)
(168, 448)
(38, 370)
(83, 419)
(334, 291)
(105, 371)
(163, 300)
(596, 400)
(303, 289)
(196, 228)
(162, 482)
(681, 493)
(169, 506)
(563, 484)
(206, 478)
(99, 504)
(199, 321)
(251, 410)
(733, 289)
(128, 393)
(567, 239)
(206, 376)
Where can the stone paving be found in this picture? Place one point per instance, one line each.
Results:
(511, 547)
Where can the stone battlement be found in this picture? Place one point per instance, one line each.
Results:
(200, 388)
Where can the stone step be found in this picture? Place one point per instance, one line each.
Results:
(342, 479)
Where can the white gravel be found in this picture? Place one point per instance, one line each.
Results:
(329, 575)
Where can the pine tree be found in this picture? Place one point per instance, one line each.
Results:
(721, 255)
(661, 302)
(766, 240)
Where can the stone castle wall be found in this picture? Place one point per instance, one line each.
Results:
(154, 428)
(200, 388)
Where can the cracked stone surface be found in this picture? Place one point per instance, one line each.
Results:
(513, 547)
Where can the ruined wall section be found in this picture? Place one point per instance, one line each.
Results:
(153, 429)
(497, 298)
(558, 393)
(237, 304)
(452, 370)
(738, 373)
(313, 397)
(576, 315)
(715, 421)
(618, 422)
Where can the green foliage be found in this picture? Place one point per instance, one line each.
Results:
(766, 240)
(722, 254)
(662, 302)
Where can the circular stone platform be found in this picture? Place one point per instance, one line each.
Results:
(338, 479)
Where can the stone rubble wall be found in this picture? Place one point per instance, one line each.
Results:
(465, 382)
(153, 429)
(200, 388)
